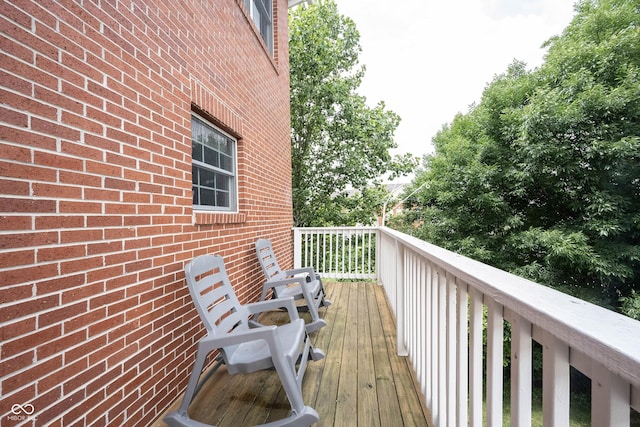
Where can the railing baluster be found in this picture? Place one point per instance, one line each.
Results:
(475, 366)
(427, 386)
(462, 396)
(495, 336)
(610, 397)
(452, 346)
(401, 255)
(521, 357)
(442, 346)
(324, 252)
(555, 382)
(435, 332)
(422, 322)
(369, 269)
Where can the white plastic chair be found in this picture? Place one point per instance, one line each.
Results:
(245, 345)
(300, 283)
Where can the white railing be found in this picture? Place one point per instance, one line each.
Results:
(338, 252)
(440, 299)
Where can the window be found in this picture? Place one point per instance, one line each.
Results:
(213, 167)
(262, 14)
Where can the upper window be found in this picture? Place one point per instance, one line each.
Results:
(213, 168)
(261, 12)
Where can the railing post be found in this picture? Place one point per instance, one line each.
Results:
(297, 248)
(400, 303)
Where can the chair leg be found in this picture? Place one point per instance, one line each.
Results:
(287, 373)
(324, 302)
(180, 417)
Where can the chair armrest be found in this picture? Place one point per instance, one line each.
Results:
(307, 270)
(301, 280)
(305, 287)
(275, 283)
(262, 306)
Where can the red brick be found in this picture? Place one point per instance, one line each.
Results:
(61, 314)
(14, 188)
(14, 311)
(59, 283)
(26, 205)
(80, 179)
(55, 190)
(15, 15)
(55, 68)
(86, 348)
(106, 299)
(28, 274)
(61, 406)
(81, 67)
(100, 382)
(11, 117)
(28, 342)
(12, 259)
(59, 345)
(11, 365)
(68, 371)
(86, 291)
(45, 222)
(10, 134)
(26, 69)
(79, 120)
(77, 412)
(13, 223)
(17, 328)
(105, 273)
(55, 129)
(66, 206)
(106, 324)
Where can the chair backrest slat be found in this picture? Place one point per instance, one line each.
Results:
(213, 295)
(268, 261)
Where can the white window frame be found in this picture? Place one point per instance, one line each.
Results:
(198, 162)
(261, 12)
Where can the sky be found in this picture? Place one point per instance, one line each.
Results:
(429, 60)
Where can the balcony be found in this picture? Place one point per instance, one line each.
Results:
(446, 321)
(362, 380)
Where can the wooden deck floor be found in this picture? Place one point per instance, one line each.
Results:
(361, 382)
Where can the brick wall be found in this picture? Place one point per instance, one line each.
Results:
(96, 218)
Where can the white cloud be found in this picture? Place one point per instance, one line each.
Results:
(429, 60)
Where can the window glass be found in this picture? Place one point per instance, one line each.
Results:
(213, 167)
(261, 12)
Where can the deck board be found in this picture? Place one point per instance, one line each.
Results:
(361, 382)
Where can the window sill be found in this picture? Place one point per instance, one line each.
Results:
(211, 218)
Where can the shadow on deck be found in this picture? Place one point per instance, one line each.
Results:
(361, 382)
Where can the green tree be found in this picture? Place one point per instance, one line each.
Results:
(542, 177)
(340, 146)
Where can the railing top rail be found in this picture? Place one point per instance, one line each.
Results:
(341, 228)
(608, 337)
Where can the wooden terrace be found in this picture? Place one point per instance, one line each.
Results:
(361, 382)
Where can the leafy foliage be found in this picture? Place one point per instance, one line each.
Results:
(338, 142)
(542, 177)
